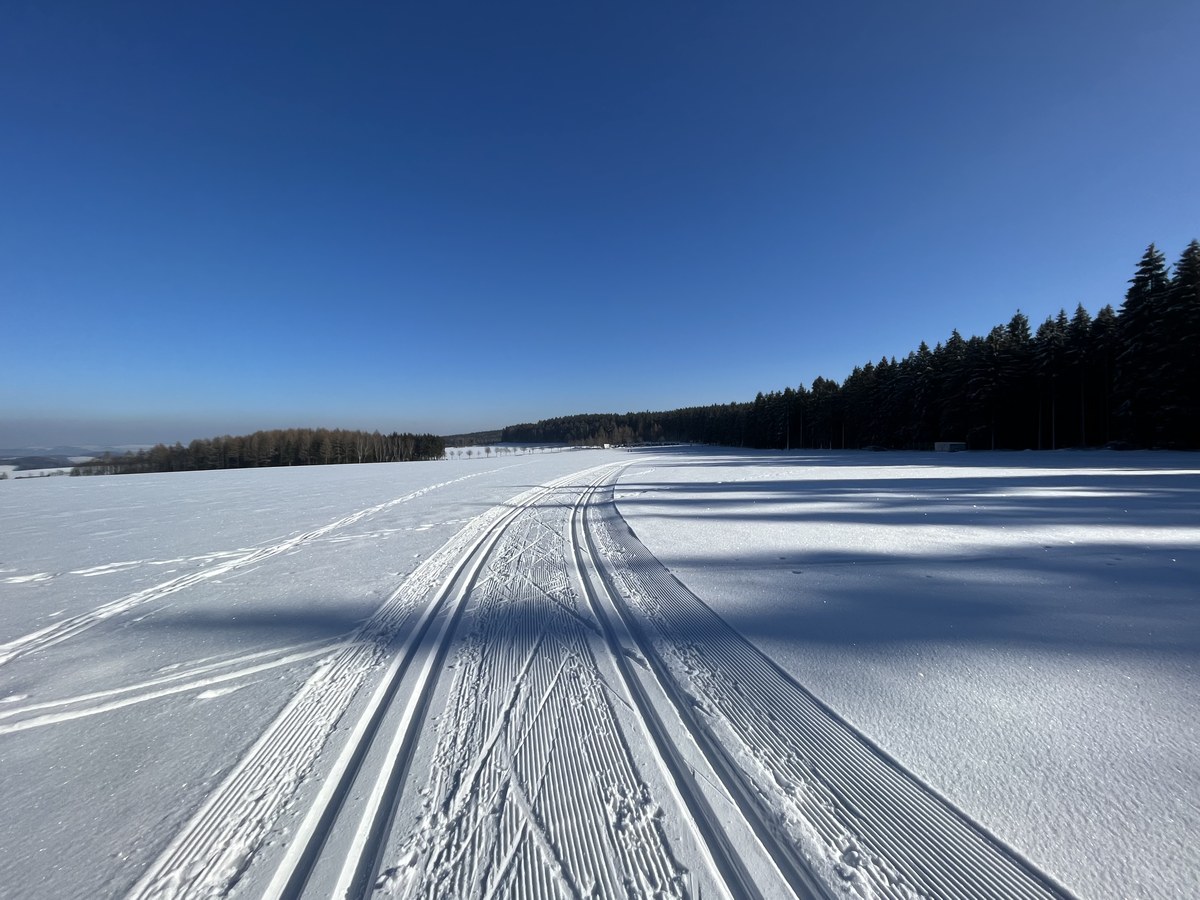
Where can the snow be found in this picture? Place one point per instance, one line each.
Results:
(1017, 631)
(103, 782)
(15, 474)
(1021, 631)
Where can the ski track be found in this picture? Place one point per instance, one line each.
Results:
(534, 791)
(722, 856)
(534, 788)
(67, 628)
(211, 852)
(27, 579)
(824, 785)
(196, 678)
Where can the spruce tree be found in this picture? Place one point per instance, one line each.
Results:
(1178, 370)
(1018, 417)
(1050, 349)
(952, 371)
(1079, 348)
(1139, 342)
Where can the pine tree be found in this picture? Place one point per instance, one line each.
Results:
(985, 367)
(1079, 346)
(1139, 342)
(1103, 364)
(1178, 371)
(1050, 348)
(1017, 418)
(953, 413)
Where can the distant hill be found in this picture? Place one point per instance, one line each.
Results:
(56, 461)
(68, 450)
(474, 439)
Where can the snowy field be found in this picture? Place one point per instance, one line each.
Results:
(599, 673)
(1020, 630)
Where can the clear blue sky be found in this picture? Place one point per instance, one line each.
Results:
(217, 217)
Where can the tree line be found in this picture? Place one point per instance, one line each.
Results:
(1128, 377)
(280, 447)
(473, 439)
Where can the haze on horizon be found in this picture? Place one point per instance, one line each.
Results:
(452, 218)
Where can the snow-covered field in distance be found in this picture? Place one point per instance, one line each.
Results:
(1020, 631)
(14, 472)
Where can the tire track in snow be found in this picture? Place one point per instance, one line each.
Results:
(211, 852)
(817, 783)
(67, 628)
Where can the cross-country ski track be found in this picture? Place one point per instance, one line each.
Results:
(541, 710)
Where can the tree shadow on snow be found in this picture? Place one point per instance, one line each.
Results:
(691, 457)
(1009, 579)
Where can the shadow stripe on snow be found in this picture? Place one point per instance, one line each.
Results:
(818, 778)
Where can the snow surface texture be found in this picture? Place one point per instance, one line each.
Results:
(1019, 630)
(130, 606)
(470, 678)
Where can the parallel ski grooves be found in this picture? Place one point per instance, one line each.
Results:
(211, 852)
(791, 865)
(534, 792)
(362, 862)
(807, 766)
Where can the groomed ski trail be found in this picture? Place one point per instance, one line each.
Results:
(795, 873)
(599, 732)
(821, 790)
(555, 772)
(535, 790)
(561, 822)
(212, 851)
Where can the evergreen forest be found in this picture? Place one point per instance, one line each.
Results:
(1118, 378)
(286, 447)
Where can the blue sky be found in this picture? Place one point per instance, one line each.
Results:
(218, 217)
